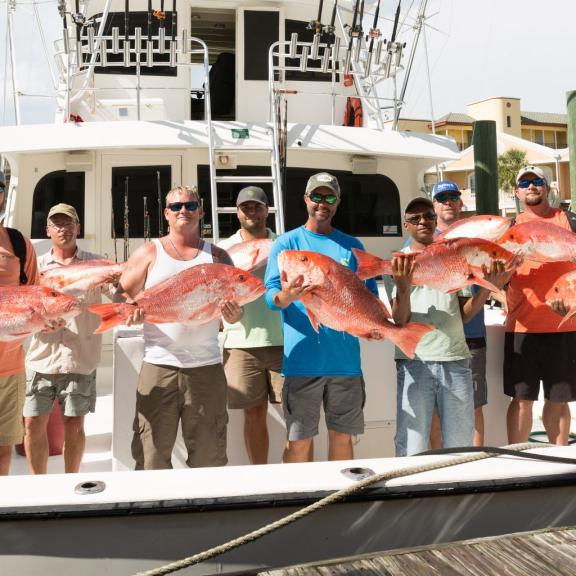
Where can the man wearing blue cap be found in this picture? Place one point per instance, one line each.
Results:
(448, 205)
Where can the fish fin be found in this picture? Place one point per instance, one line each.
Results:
(369, 265)
(571, 313)
(408, 336)
(474, 278)
(111, 314)
(313, 320)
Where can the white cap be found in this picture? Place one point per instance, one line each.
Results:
(531, 170)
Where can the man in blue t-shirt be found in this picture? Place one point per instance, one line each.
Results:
(320, 369)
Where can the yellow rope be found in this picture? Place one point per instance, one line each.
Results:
(330, 499)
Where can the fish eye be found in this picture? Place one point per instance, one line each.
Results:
(303, 258)
(556, 289)
(241, 278)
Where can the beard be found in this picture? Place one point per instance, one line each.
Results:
(533, 200)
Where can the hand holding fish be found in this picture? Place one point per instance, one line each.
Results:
(402, 270)
(137, 317)
(231, 311)
(292, 290)
(53, 325)
(496, 273)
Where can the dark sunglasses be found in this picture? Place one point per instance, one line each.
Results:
(536, 182)
(329, 199)
(191, 206)
(417, 217)
(447, 198)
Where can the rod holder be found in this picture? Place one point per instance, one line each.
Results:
(378, 55)
(138, 40)
(184, 48)
(315, 47)
(115, 40)
(78, 54)
(357, 49)
(368, 64)
(335, 50)
(293, 45)
(66, 39)
(173, 57)
(304, 61)
(348, 62)
(149, 53)
(162, 41)
(91, 45)
(103, 53)
(126, 47)
(326, 60)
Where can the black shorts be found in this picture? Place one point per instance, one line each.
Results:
(531, 358)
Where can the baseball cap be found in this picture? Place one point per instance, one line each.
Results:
(418, 200)
(252, 194)
(65, 209)
(323, 179)
(445, 186)
(531, 170)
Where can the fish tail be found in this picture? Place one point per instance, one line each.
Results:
(408, 336)
(370, 266)
(111, 315)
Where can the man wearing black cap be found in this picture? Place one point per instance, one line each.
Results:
(253, 346)
(17, 266)
(321, 368)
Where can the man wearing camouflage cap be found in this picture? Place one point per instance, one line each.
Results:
(320, 369)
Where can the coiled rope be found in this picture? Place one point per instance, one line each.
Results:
(476, 454)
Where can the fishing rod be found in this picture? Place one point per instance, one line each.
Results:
(173, 21)
(114, 227)
(159, 192)
(374, 33)
(126, 221)
(331, 40)
(146, 221)
(149, 24)
(353, 33)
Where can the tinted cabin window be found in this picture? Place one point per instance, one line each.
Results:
(136, 20)
(140, 182)
(370, 203)
(56, 187)
(304, 35)
(261, 30)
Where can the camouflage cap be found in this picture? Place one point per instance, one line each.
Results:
(323, 180)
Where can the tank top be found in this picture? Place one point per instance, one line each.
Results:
(177, 344)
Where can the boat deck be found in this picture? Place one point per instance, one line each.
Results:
(540, 553)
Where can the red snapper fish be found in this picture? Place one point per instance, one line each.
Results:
(486, 226)
(541, 242)
(564, 289)
(447, 265)
(77, 279)
(25, 310)
(193, 296)
(251, 254)
(341, 301)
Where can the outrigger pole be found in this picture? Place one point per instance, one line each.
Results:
(126, 221)
(146, 221)
(114, 226)
(159, 192)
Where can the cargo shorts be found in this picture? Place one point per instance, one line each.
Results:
(12, 392)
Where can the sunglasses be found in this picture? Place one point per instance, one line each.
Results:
(417, 217)
(62, 225)
(329, 199)
(536, 182)
(447, 198)
(191, 206)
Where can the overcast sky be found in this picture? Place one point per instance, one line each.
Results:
(477, 49)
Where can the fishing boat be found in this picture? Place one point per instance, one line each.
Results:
(221, 94)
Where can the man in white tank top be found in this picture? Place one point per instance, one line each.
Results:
(181, 379)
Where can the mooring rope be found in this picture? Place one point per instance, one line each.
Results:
(478, 454)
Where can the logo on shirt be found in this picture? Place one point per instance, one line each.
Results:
(345, 261)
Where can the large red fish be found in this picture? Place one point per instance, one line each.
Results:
(541, 241)
(341, 301)
(77, 279)
(564, 289)
(251, 254)
(25, 310)
(485, 226)
(192, 296)
(447, 265)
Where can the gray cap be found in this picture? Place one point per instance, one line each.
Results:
(252, 194)
(418, 200)
(65, 209)
(323, 180)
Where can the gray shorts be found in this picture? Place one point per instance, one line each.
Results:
(343, 398)
(76, 394)
(478, 367)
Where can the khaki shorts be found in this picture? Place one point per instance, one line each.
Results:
(12, 393)
(168, 395)
(253, 375)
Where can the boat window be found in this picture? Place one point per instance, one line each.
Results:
(56, 187)
(370, 202)
(304, 35)
(134, 183)
(261, 30)
(136, 20)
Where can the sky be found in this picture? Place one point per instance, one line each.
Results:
(476, 49)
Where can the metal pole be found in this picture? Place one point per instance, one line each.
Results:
(429, 80)
(44, 46)
(485, 166)
(571, 109)
(15, 93)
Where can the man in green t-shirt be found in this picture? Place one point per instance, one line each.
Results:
(253, 348)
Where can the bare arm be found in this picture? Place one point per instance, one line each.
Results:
(220, 256)
(402, 270)
(496, 275)
(134, 276)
